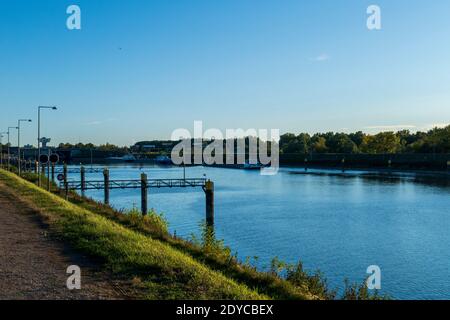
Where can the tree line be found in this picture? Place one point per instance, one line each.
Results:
(91, 146)
(436, 140)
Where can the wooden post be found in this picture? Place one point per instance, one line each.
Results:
(306, 164)
(38, 172)
(106, 177)
(66, 185)
(144, 195)
(53, 172)
(65, 173)
(209, 191)
(48, 171)
(48, 176)
(343, 164)
(66, 190)
(83, 179)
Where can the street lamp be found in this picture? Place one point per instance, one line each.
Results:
(18, 140)
(39, 137)
(1, 148)
(9, 145)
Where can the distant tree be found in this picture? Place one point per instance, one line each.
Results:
(304, 141)
(344, 144)
(434, 141)
(384, 142)
(319, 144)
(291, 143)
(91, 146)
(357, 138)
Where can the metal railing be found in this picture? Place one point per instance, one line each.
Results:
(134, 184)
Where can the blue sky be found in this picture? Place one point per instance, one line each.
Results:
(140, 69)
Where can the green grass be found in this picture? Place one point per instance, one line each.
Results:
(167, 267)
(164, 272)
(212, 253)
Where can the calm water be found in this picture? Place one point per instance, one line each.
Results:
(339, 225)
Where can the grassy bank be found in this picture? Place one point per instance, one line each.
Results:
(163, 266)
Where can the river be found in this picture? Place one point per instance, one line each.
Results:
(338, 224)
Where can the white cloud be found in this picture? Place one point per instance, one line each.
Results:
(93, 123)
(398, 127)
(391, 127)
(322, 57)
(99, 122)
(438, 125)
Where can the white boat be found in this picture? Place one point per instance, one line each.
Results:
(252, 166)
(125, 158)
(163, 160)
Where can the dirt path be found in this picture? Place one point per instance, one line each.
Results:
(33, 266)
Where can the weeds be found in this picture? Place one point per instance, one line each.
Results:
(282, 281)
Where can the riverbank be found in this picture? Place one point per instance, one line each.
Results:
(33, 265)
(156, 264)
(374, 171)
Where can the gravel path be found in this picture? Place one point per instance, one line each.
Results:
(33, 266)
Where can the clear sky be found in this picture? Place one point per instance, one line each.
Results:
(139, 69)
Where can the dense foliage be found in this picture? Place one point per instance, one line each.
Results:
(433, 141)
(90, 146)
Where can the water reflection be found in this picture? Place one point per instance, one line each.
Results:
(340, 223)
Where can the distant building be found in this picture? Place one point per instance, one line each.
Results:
(156, 146)
(44, 141)
(148, 147)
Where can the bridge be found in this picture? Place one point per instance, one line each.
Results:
(144, 184)
(61, 170)
(134, 184)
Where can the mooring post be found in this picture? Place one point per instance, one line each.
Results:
(144, 189)
(66, 190)
(48, 177)
(53, 172)
(343, 164)
(209, 191)
(106, 178)
(390, 166)
(66, 185)
(83, 179)
(65, 173)
(48, 171)
(306, 164)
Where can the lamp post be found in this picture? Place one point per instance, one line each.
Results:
(9, 145)
(39, 137)
(1, 148)
(18, 141)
